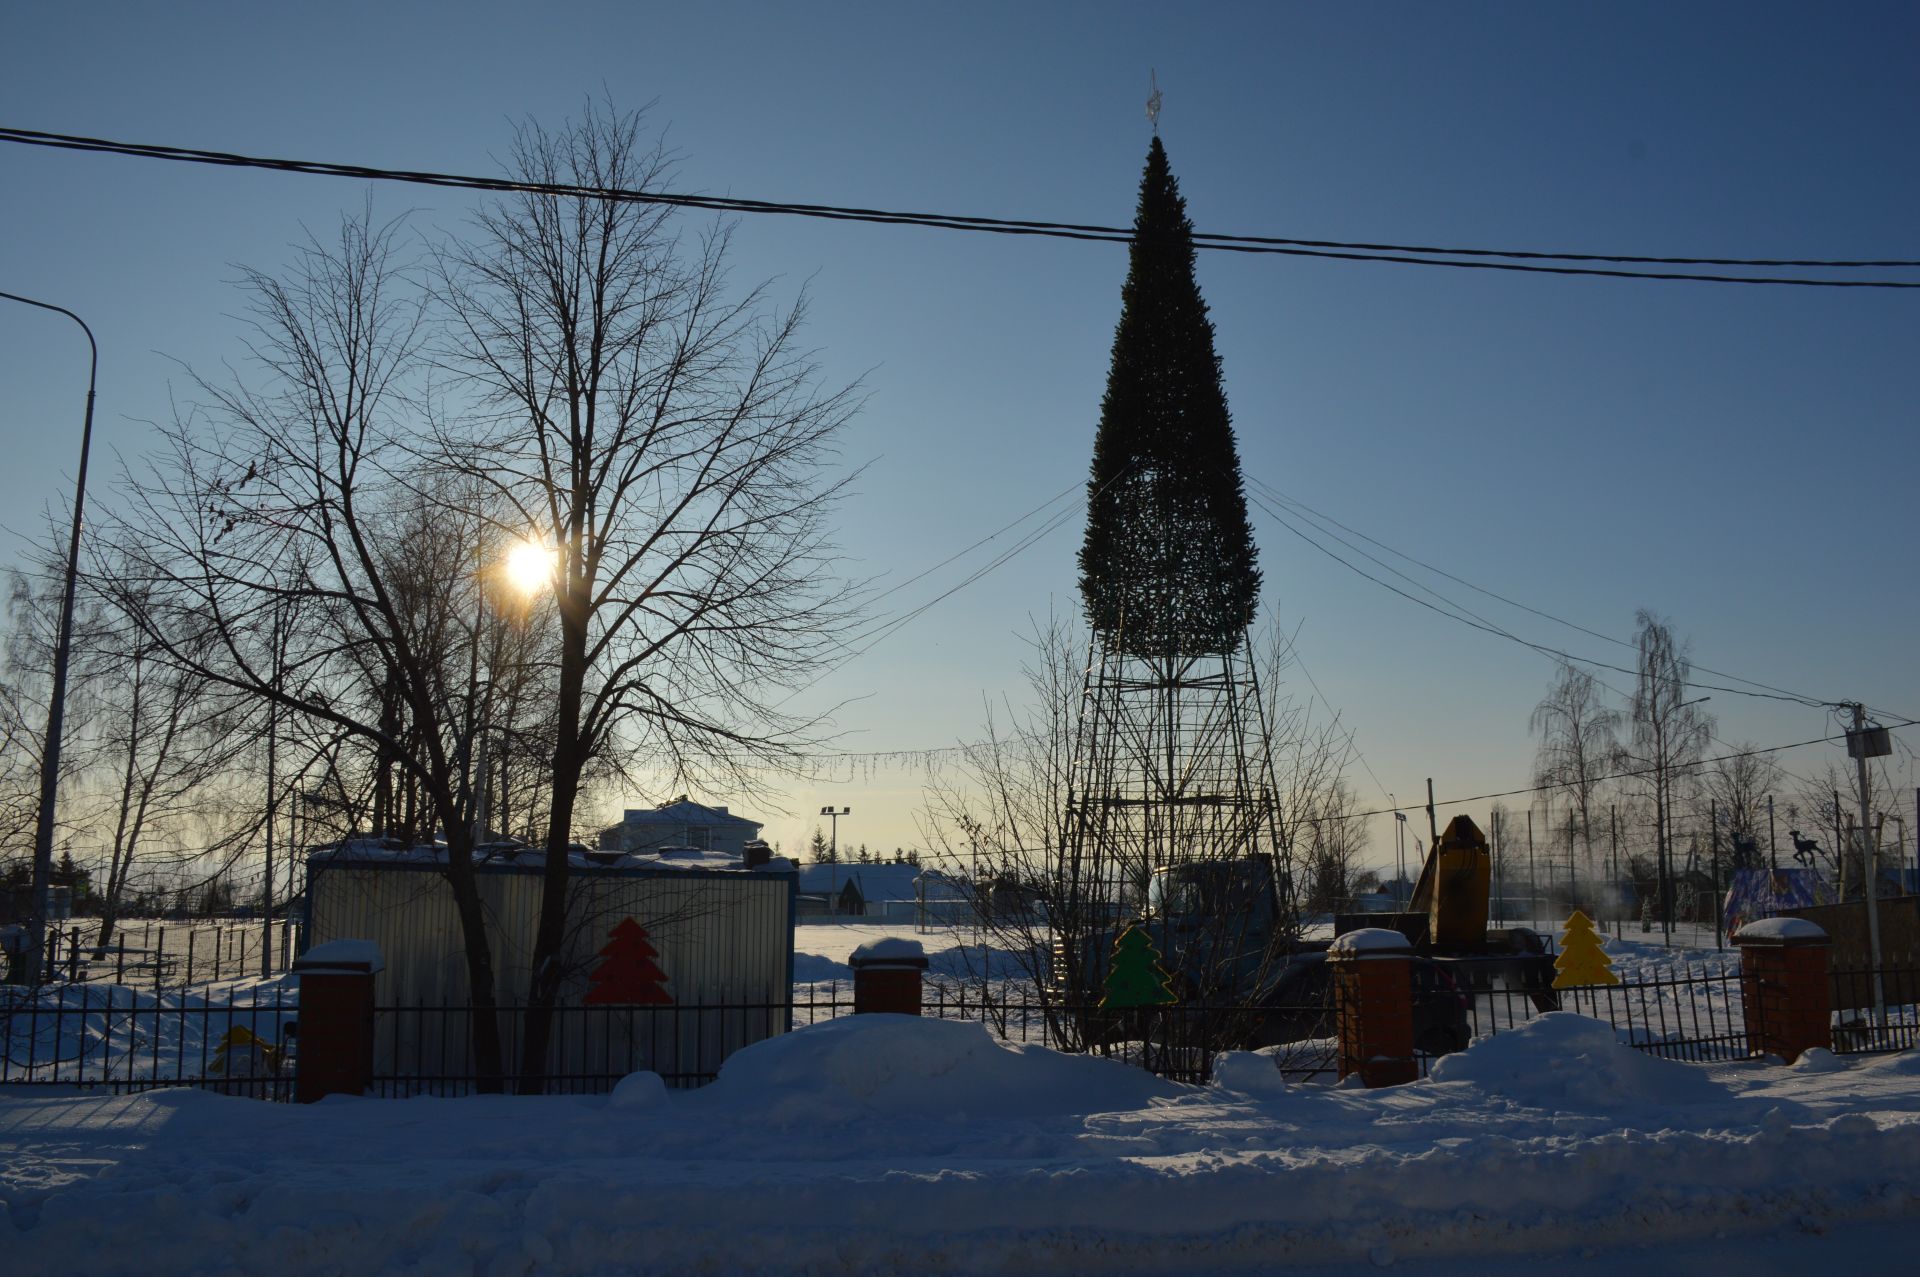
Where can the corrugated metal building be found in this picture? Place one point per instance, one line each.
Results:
(722, 936)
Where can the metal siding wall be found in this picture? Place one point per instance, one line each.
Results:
(723, 940)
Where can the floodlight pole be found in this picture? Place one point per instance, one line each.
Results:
(63, 649)
(833, 846)
(1857, 746)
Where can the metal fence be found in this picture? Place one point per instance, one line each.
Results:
(1861, 1029)
(124, 1039)
(156, 954)
(1691, 1012)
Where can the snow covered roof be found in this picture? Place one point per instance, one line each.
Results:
(875, 882)
(521, 856)
(1780, 931)
(1368, 941)
(894, 950)
(684, 811)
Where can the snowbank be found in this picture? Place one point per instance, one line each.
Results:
(862, 1066)
(896, 1145)
(1563, 1060)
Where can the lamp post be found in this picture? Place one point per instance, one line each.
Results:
(63, 647)
(833, 847)
(1400, 855)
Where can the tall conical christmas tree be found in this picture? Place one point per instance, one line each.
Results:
(1167, 567)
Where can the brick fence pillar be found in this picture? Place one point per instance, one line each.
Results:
(1373, 997)
(887, 975)
(1785, 984)
(336, 1019)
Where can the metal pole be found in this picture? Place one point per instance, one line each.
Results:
(1713, 822)
(1533, 881)
(1857, 747)
(1839, 848)
(1613, 831)
(1773, 851)
(63, 648)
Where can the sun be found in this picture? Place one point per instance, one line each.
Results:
(530, 567)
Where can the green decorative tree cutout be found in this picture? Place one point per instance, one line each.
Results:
(629, 976)
(1582, 961)
(1135, 977)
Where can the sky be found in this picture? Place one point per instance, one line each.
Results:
(1739, 460)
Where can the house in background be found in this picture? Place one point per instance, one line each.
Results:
(680, 823)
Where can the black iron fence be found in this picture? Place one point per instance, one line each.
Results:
(156, 954)
(125, 1039)
(1877, 1010)
(93, 1035)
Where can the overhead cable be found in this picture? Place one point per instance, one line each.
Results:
(1522, 261)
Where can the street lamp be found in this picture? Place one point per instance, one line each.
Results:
(1400, 855)
(833, 847)
(63, 648)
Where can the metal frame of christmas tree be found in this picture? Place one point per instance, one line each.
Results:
(1173, 753)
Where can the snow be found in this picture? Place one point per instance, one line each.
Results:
(1368, 940)
(903, 1066)
(889, 949)
(1780, 931)
(1571, 1063)
(889, 1144)
(336, 956)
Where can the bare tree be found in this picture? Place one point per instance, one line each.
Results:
(161, 742)
(289, 506)
(1331, 847)
(1824, 810)
(1733, 791)
(1579, 746)
(668, 438)
(1669, 735)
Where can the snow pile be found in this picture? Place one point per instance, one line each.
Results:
(863, 1066)
(638, 1091)
(1563, 1060)
(1252, 1073)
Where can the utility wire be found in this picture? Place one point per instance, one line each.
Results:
(1312, 515)
(1490, 628)
(1523, 261)
(1302, 508)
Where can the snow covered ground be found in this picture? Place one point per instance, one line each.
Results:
(884, 1144)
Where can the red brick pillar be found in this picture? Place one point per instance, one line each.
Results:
(336, 1018)
(887, 975)
(1786, 986)
(1373, 998)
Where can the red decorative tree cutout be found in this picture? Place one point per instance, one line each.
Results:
(629, 976)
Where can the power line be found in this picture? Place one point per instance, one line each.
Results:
(1522, 261)
(1478, 623)
(1303, 508)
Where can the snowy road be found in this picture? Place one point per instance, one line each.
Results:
(888, 1145)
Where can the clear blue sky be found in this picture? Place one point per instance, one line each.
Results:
(1742, 460)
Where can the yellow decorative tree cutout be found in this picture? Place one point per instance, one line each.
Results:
(1581, 960)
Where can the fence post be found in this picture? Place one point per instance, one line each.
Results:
(1786, 986)
(336, 1019)
(887, 976)
(1373, 994)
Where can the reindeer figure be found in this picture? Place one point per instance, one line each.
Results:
(1803, 848)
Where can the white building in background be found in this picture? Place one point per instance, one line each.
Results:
(680, 823)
